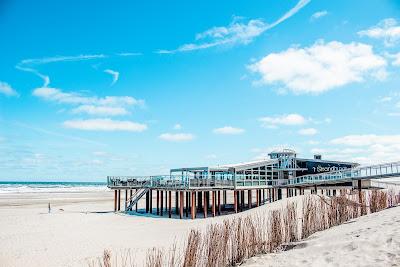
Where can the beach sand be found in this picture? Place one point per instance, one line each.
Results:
(371, 240)
(81, 225)
(85, 226)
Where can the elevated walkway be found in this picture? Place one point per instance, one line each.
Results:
(181, 182)
(379, 171)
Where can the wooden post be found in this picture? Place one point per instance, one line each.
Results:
(151, 201)
(263, 196)
(224, 197)
(181, 204)
(158, 202)
(115, 200)
(187, 204)
(176, 203)
(249, 198)
(258, 197)
(213, 203)
(235, 201)
(199, 201)
(208, 199)
(204, 205)
(147, 202)
(126, 199)
(136, 205)
(161, 202)
(166, 201)
(169, 203)
(130, 198)
(241, 199)
(119, 199)
(219, 202)
(193, 206)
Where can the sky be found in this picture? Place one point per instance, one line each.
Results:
(136, 88)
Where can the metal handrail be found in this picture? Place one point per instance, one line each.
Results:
(185, 182)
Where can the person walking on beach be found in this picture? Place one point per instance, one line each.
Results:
(49, 208)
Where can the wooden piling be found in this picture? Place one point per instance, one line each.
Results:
(169, 204)
(219, 202)
(204, 205)
(119, 199)
(176, 203)
(161, 202)
(158, 202)
(263, 196)
(249, 198)
(181, 204)
(193, 206)
(241, 199)
(166, 201)
(130, 198)
(235, 201)
(126, 200)
(187, 204)
(115, 200)
(213, 203)
(147, 202)
(224, 198)
(258, 198)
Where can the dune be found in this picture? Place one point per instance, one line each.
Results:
(371, 240)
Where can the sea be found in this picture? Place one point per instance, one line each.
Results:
(50, 187)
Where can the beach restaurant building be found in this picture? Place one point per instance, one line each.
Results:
(232, 187)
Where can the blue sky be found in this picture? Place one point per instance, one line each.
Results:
(127, 88)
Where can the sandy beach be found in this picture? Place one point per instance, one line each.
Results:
(81, 225)
(79, 228)
(371, 240)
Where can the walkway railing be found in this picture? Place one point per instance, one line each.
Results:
(369, 172)
(184, 182)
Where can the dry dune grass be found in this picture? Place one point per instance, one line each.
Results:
(235, 240)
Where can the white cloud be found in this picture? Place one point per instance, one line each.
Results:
(211, 156)
(287, 120)
(308, 131)
(105, 125)
(384, 99)
(237, 32)
(228, 130)
(318, 15)
(45, 60)
(129, 54)
(100, 110)
(7, 90)
(366, 140)
(368, 148)
(26, 64)
(177, 127)
(312, 142)
(58, 96)
(321, 67)
(45, 78)
(395, 57)
(114, 74)
(179, 137)
(387, 30)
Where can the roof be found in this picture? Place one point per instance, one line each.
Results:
(250, 164)
(329, 161)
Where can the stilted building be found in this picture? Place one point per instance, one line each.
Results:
(206, 189)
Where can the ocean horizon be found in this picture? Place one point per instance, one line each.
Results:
(10, 187)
